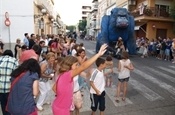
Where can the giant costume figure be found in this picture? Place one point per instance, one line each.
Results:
(119, 24)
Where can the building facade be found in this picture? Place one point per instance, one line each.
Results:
(46, 19)
(28, 16)
(21, 16)
(152, 18)
(86, 9)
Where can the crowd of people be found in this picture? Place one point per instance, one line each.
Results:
(163, 49)
(25, 76)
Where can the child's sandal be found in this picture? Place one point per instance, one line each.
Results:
(117, 100)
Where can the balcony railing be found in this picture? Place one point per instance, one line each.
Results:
(151, 12)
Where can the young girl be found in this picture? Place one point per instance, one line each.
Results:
(64, 85)
(124, 68)
(108, 71)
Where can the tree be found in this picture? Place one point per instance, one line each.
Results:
(82, 25)
(172, 13)
(71, 28)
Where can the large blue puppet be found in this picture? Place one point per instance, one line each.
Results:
(119, 24)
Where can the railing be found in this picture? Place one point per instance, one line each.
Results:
(150, 11)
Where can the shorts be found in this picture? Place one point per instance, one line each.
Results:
(162, 52)
(167, 52)
(123, 80)
(77, 101)
(98, 100)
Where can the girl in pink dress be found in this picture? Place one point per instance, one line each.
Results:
(64, 85)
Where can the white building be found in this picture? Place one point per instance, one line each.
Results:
(21, 16)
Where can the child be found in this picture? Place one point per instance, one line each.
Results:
(97, 90)
(108, 71)
(124, 68)
(64, 85)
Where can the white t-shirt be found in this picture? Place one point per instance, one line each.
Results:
(99, 81)
(124, 72)
(76, 84)
(74, 52)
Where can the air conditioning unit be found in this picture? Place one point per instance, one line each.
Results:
(131, 2)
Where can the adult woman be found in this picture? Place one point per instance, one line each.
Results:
(17, 47)
(24, 88)
(47, 70)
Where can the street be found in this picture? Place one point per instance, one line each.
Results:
(151, 88)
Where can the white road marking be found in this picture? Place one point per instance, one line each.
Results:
(86, 101)
(168, 77)
(161, 84)
(172, 67)
(111, 93)
(90, 51)
(145, 91)
(168, 70)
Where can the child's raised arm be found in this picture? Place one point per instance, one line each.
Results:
(89, 62)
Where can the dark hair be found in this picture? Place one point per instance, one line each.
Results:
(99, 61)
(81, 44)
(30, 65)
(125, 55)
(79, 51)
(8, 53)
(25, 34)
(37, 49)
(109, 58)
(41, 42)
(24, 47)
(32, 35)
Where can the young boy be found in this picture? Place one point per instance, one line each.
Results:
(97, 90)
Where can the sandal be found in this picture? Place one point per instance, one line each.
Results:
(117, 100)
(123, 99)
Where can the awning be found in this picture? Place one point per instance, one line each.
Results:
(136, 27)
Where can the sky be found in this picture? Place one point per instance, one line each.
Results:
(69, 10)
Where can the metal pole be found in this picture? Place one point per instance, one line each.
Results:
(9, 38)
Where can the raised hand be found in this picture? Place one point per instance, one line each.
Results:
(102, 49)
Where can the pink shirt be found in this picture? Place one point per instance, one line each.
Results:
(61, 105)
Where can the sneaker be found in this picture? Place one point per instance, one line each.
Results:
(40, 108)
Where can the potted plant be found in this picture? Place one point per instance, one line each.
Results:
(148, 12)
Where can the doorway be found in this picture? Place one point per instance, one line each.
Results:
(161, 33)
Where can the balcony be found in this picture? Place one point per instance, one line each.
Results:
(39, 4)
(94, 1)
(151, 13)
(94, 7)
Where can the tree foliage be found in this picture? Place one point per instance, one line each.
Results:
(82, 25)
(71, 28)
(172, 13)
(172, 10)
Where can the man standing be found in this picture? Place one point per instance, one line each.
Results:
(26, 40)
(32, 41)
(7, 64)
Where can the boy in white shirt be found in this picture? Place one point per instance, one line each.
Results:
(97, 90)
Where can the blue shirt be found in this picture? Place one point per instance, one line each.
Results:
(21, 100)
(26, 42)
